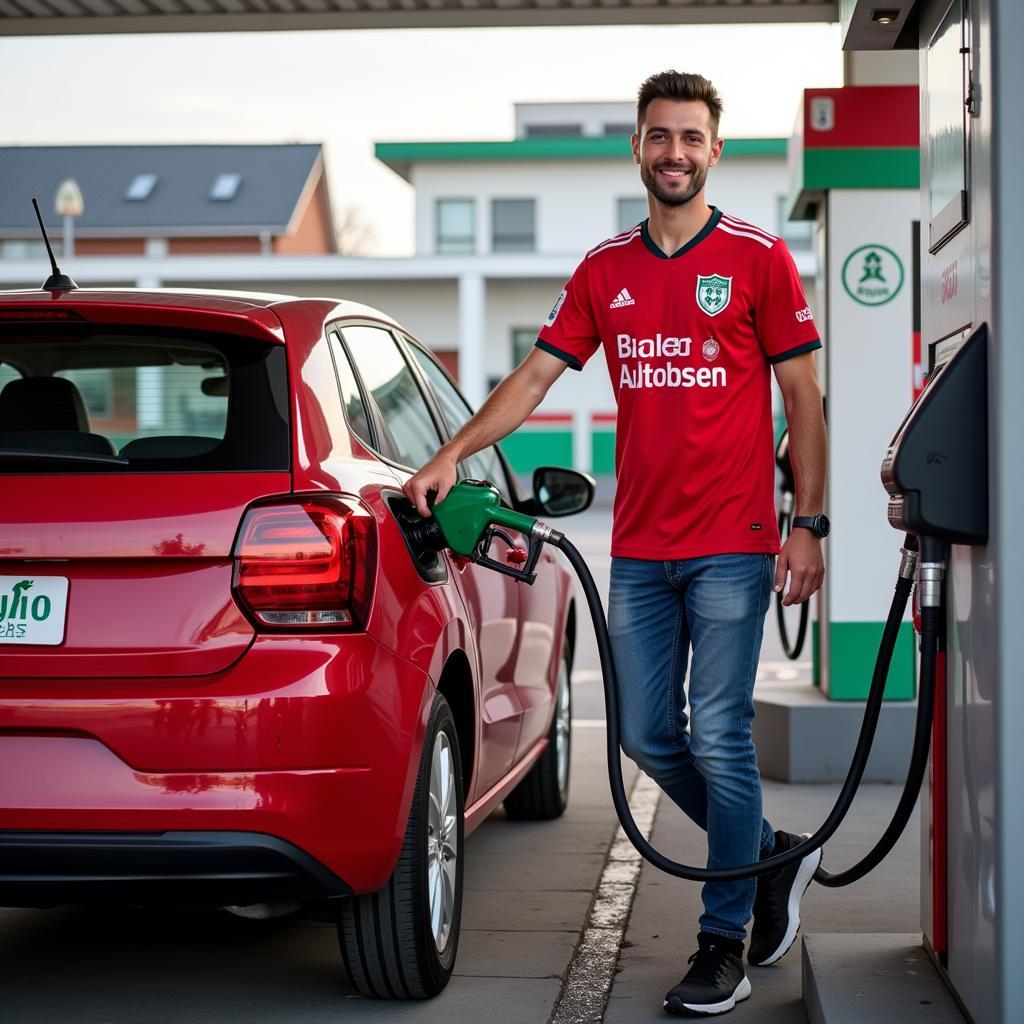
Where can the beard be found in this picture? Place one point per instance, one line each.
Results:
(650, 181)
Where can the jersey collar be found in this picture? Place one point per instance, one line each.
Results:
(716, 216)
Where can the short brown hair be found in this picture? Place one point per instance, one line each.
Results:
(679, 86)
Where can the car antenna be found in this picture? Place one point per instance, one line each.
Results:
(56, 282)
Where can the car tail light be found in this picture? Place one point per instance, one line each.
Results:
(306, 564)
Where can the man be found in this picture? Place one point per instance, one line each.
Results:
(693, 308)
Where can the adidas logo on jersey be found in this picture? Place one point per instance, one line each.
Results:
(622, 299)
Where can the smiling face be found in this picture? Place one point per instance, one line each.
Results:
(675, 149)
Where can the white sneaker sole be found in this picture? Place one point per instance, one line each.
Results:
(742, 992)
(804, 876)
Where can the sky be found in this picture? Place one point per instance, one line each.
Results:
(350, 89)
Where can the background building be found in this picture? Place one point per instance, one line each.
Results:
(499, 227)
(565, 182)
(158, 201)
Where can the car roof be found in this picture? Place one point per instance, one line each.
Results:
(267, 309)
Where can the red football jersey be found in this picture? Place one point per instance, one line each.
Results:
(688, 340)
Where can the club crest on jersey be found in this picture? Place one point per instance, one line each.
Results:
(713, 293)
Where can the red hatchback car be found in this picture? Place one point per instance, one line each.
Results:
(227, 676)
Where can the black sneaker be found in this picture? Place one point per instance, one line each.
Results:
(715, 983)
(777, 903)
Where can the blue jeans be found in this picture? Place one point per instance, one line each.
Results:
(658, 612)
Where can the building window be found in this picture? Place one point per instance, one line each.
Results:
(455, 226)
(29, 249)
(629, 213)
(512, 225)
(522, 342)
(797, 234)
(534, 131)
(96, 387)
(225, 187)
(140, 187)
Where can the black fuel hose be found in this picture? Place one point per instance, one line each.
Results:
(930, 626)
(860, 758)
(791, 650)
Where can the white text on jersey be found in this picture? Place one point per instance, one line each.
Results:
(652, 348)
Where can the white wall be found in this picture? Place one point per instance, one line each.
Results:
(870, 388)
(526, 304)
(576, 199)
(428, 309)
(591, 116)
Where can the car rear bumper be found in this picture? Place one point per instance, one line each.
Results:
(42, 869)
(313, 743)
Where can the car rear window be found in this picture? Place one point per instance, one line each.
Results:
(131, 400)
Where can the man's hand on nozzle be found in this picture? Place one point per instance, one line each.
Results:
(438, 475)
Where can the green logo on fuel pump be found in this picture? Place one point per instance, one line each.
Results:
(872, 275)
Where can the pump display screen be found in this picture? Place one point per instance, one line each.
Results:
(946, 128)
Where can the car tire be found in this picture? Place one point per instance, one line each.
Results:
(544, 793)
(401, 942)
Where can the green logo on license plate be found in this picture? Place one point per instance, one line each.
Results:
(18, 607)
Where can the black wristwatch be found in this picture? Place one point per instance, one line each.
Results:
(818, 525)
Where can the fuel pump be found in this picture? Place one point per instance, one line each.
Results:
(935, 472)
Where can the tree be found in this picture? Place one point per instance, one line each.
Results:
(353, 233)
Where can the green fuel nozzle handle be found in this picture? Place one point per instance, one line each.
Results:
(470, 519)
(468, 509)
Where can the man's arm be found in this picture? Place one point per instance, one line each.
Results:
(507, 406)
(801, 555)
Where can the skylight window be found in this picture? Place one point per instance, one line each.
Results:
(140, 188)
(225, 187)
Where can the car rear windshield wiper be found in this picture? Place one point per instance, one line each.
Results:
(29, 455)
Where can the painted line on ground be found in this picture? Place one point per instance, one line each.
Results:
(588, 981)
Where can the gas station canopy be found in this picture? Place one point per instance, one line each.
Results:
(94, 17)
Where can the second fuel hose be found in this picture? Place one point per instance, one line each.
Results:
(904, 585)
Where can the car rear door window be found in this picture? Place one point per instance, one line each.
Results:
(390, 381)
(351, 397)
(485, 464)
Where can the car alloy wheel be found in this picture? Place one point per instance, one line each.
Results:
(401, 942)
(442, 841)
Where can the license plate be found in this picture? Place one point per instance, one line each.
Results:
(33, 609)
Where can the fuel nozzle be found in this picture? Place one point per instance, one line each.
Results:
(470, 520)
(425, 535)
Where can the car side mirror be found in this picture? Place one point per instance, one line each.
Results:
(562, 492)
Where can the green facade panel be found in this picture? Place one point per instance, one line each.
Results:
(549, 148)
(852, 650)
(602, 452)
(892, 167)
(528, 449)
